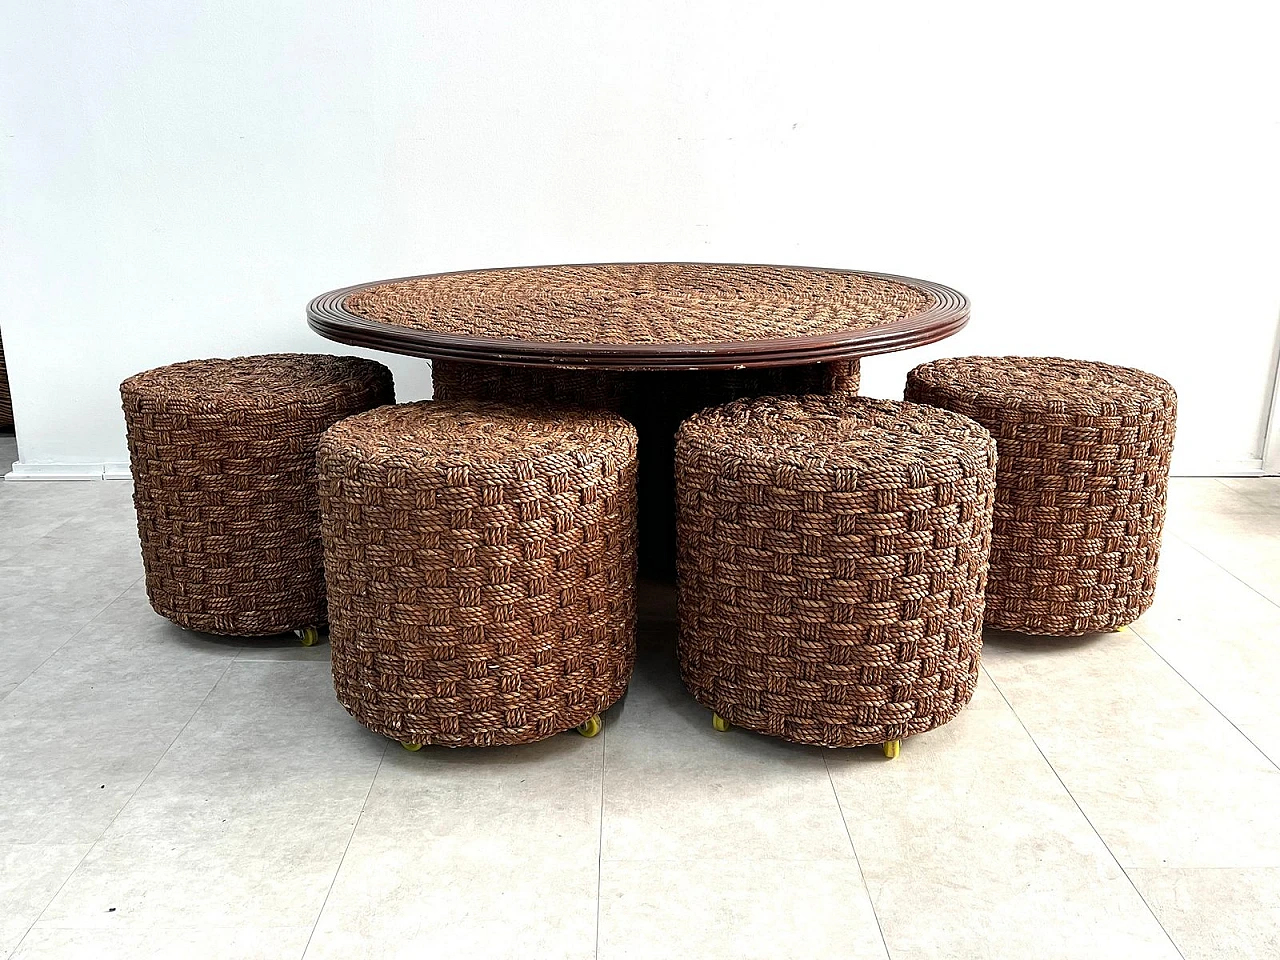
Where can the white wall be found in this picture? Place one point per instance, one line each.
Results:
(179, 178)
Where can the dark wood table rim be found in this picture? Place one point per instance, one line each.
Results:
(327, 316)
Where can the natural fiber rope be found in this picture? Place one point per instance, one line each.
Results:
(591, 389)
(223, 457)
(641, 303)
(832, 556)
(481, 569)
(655, 401)
(1083, 482)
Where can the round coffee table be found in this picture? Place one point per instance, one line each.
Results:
(642, 316)
(670, 321)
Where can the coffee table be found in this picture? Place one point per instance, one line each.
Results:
(677, 335)
(642, 316)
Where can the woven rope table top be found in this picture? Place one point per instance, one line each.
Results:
(641, 316)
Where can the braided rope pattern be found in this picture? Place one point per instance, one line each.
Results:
(223, 457)
(629, 303)
(1082, 484)
(481, 569)
(832, 557)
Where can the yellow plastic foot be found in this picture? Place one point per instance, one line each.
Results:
(308, 636)
(719, 722)
(1121, 629)
(590, 727)
(891, 748)
(412, 747)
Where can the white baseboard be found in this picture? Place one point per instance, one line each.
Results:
(1217, 468)
(23, 472)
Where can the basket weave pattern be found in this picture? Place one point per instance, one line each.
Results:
(832, 558)
(591, 389)
(1083, 481)
(481, 569)
(223, 457)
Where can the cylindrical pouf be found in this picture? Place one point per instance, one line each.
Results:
(657, 402)
(1081, 489)
(833, 552)
(481, 569)
(223, 455)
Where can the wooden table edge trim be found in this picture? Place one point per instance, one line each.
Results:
(327, 316)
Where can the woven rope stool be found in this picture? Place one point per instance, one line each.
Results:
(223, 457)
(481, 570)
(1081, 489)
(658, 402)
(833, 552)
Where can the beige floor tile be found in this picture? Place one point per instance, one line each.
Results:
(1242, 535)
(736, 910)
(1161, 774)
(537, 800)
(1216, 914)
(1262, 493)
(225, 943)
(30, 875)
(78, 736)
(244, 821)
(677, 789)
(473, 852)
(403, 895)
(1220, 635)
(971, 821)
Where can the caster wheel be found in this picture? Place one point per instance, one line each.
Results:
(307, 636)
(590, 727)
(891, 748)
(412, 747)
(719, 722)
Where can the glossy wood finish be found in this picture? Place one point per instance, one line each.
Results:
(946, 315)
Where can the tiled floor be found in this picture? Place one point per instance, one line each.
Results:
(164, 794)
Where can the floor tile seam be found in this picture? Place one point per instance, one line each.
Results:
(164, 753)
(1164, 867)
(1102, 840)
(866, 887)
(15, 550)
(841, 861)
(604, 742)
(342, 859)
(1227, 570)
(83, 627)
(1203, 696)
(137, 926)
